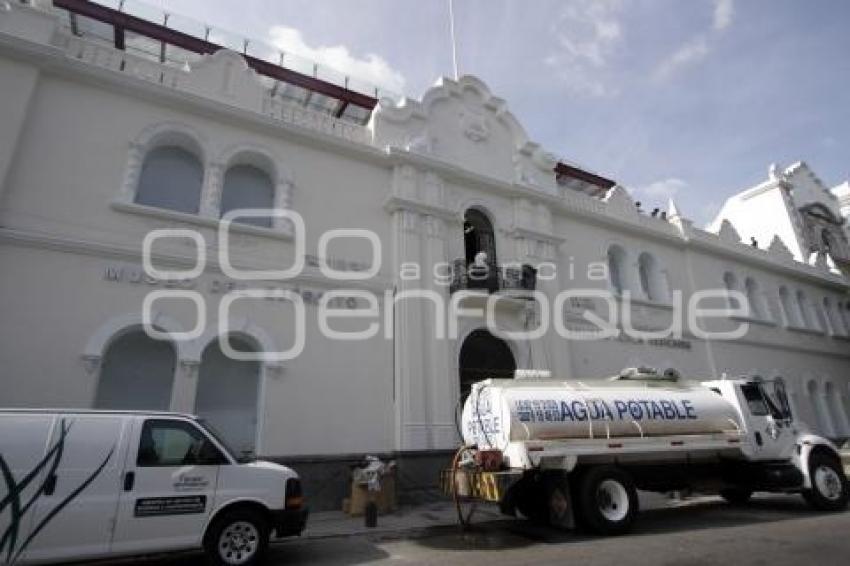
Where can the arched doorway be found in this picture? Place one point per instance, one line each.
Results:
(227, 394)
(483, 356)
(478, 236)
(137, 373)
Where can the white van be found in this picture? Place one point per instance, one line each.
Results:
(83, 484)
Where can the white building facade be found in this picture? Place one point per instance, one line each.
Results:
(99, 147)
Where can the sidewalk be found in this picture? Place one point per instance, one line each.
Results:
(327, 524)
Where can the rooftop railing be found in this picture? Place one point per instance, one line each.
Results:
(155, 34)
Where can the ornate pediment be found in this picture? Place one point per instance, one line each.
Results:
(728, 233)
(620, 202)
(461, 122)
(779, 249)
(226, 76)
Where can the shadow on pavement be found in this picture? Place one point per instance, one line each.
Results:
(341, 550)
(689, 517)
(492, 535)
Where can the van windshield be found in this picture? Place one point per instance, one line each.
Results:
(241, 458)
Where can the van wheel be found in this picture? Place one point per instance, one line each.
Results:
(608, 500)
(736, 495)
(237, 538)
(829, 486)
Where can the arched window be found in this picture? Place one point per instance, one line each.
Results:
(731, 284)
(828, 242)
(832, 327)
(171, 178)
(819, 408)
(836, 318)
(137, 374)
(228, 392)
(652, 281)
(478, 236)
(484, 356)
(617, 270)
(803, 307)
(845, 314)
(247, 186)
(757, 308)
(788, 308)
(836, 409)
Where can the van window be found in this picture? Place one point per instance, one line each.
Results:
(175, 443)
(755, 400)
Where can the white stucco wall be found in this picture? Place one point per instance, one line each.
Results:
(68, 229)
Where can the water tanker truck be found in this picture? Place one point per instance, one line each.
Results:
(574, 453)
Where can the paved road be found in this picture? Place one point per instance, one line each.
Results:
(770, 531)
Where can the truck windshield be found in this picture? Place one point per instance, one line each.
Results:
(776, 412)
(755, 400)
(241, 458)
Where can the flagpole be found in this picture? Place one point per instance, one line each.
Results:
(454, 40)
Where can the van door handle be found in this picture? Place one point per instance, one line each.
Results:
(50, 484)
(129, 480)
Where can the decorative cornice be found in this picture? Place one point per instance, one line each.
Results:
(394, 202)
(104, 250)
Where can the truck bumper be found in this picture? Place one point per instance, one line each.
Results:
(289, 522)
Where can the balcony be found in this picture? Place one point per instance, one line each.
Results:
(492, 278)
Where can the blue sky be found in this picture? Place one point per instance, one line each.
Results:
(685, 98)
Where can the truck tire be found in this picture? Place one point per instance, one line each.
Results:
(736, 495)
(237, 538)
(608, 501)
(531, 501)
(829, 486)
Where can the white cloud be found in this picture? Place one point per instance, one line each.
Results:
(723, 12)
(587, 33)
(688, 54)
(372, 68)
(698, 47)
(659, 191)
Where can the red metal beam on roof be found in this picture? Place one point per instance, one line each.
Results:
(185, 41)
(562, 169)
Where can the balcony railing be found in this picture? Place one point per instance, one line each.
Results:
(491, 277)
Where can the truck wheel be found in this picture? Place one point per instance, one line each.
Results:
(237, 538)
(608, 500)
(736, 495)
(829, 486)
(531, 503)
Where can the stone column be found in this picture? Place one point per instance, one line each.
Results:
(283, 201)
(441, 378)
(185, 386)
(410, 332)
(211, 193)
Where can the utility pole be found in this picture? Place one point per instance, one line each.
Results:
(454, 39)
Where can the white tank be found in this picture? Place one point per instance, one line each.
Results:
(501, 411)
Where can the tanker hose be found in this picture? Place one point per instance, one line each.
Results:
(465, 521)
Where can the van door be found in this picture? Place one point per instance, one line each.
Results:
(74, 515)
(168, 487)
(23, 461)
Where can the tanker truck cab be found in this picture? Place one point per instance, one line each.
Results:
(776, 440)
(574, 453)
(89, 484)
(771, 433)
